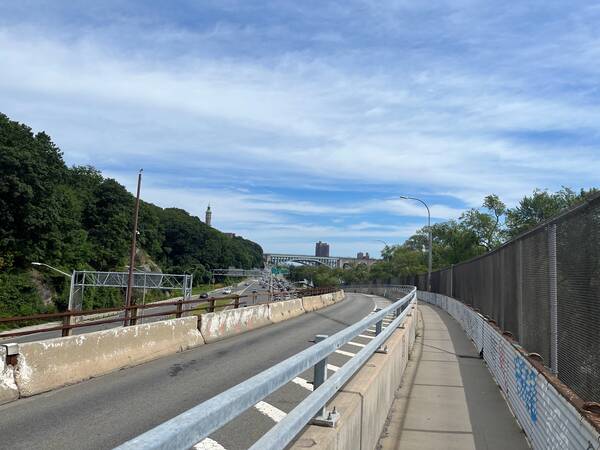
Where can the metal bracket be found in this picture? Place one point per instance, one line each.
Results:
(383, 350)
(328, 419)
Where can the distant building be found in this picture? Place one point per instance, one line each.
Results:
(231, 235)
(322, 249)
(208, 216)
(360, 255)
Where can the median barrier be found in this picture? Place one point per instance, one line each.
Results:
(45, 365)
(280, 311)
(223, 324)
(313, 302)
(49, 364)
(364, 402)
(8, 388)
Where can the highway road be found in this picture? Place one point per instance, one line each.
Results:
(240, 289)
(106, 411)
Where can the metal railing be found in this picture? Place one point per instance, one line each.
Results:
(190, 427)
(70, 320)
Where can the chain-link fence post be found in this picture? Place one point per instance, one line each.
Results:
(552, 278)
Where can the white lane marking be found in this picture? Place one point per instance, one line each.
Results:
(356, 344)
(208, 444)
(302, 382)
(342, 352)
(365, 336)
(332, 367)
(268, 410)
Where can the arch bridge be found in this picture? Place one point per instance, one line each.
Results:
(330, 261)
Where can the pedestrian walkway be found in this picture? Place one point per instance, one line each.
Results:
(448, 399)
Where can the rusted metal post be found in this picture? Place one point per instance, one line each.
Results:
(66, 321)
(128, 293)
(211, 305)
(236, 302)
(179, 308)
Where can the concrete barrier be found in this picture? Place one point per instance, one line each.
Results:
(223, 324)
(8, 387)
(280, 311)
(313, 303)
(45, 365)
(364, 402)
(49, 364)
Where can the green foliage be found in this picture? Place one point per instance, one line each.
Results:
(320, 276)
(19, 296)
(476, 232)
(486, 224)
(541, 206)
(74, 218)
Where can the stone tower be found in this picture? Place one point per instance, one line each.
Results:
(208, 216)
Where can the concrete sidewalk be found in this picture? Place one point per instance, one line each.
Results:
(448, 399)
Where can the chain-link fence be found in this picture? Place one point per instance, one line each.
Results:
(544, 288)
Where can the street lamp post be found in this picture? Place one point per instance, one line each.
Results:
(53, 268)
(67, 320)
(429, 237)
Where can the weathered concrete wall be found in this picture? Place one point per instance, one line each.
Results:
(46, 365)
(8, 387)
(224, 324)
(313, 302)
(280, 311)
(364, 402)
(49, 364)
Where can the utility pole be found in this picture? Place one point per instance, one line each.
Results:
(132, 254)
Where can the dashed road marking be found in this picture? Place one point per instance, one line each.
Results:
(270, 411)
(302, 382)
(366, 337)
(356, 344)
(332, 367)
(208, 444)
(342, 352)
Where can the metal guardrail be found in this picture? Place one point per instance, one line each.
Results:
(190, 427)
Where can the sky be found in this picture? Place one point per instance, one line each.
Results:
(302, 121)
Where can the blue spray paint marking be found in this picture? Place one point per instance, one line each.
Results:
(526, 386)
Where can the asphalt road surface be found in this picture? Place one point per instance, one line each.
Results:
(106, 411)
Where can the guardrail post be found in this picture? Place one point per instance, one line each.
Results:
(211, 305)
(66, 322)
(236, 302)
(553, 291)
(378, 329)
(324, 418)
(179, 308)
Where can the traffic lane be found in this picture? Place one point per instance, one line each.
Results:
(108, 410)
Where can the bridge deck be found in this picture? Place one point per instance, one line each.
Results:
(448, 399)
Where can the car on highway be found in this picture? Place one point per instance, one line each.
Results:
(227, 291)
(204, 295)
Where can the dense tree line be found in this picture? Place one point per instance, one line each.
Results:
(477, 231)
(74, 218)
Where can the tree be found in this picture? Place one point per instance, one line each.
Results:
(541, 206)
(486, 225)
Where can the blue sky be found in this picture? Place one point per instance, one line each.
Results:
(304, 121)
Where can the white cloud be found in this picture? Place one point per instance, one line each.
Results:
(435, 117)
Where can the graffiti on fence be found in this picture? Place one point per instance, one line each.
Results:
(526, 380)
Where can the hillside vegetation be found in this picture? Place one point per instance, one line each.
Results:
(74, 218)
